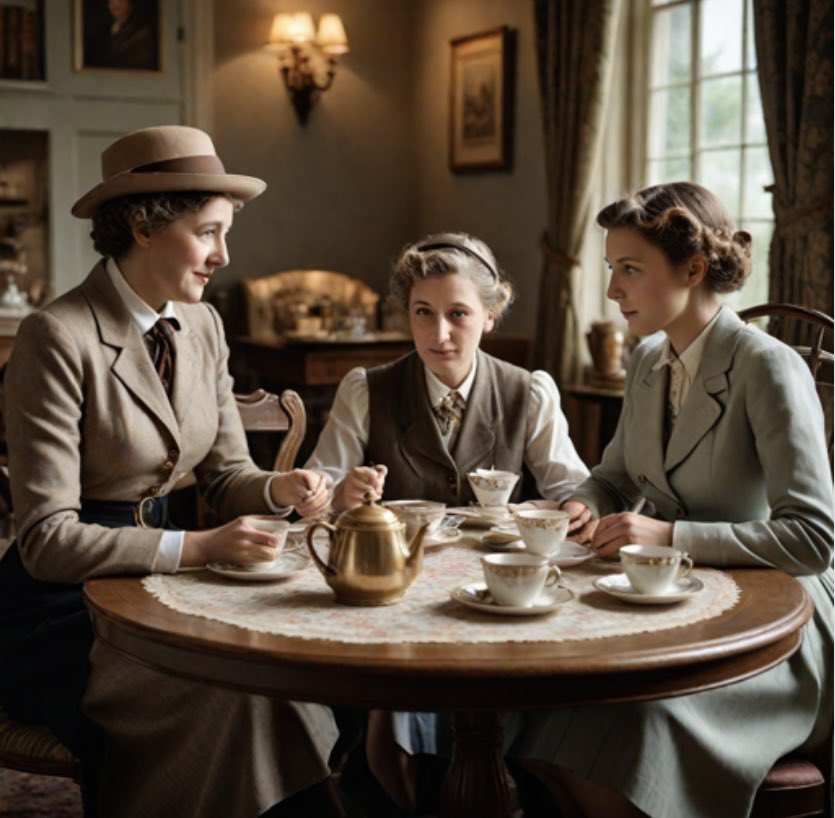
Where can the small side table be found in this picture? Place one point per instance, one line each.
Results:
(593, 413)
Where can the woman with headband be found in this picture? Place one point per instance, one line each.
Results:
(415, 427)
(114, 392)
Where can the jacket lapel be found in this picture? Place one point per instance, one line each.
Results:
(131, 364)
(187, 369)
(702, 408)
(650, 399)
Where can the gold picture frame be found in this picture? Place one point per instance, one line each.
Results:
(481, 101)
(124, 36)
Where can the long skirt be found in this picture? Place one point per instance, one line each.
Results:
(703, 755)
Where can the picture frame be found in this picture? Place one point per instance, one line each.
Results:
(118, 36)
(481, 101)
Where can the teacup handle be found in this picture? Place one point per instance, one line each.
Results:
(554, 575)
(685, 566)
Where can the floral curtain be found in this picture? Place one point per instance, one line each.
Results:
(575, 44)
(794, 57)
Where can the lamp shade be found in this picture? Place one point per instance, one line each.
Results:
(332, 38)
(282, 30)
(302, 30)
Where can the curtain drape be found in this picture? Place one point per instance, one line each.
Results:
(794, 58)
(574, 44)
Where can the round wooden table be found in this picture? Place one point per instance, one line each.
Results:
(761, 630)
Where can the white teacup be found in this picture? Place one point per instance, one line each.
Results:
(492, 487)
(272, 525)
(414, 513)
(652, 569)
(543, 529)
(517, 579)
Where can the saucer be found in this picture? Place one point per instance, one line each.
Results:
(476, 516)
(501, 539)
(444, 535)
(570, 553)
(288, 563)
(475, 595)
(618, 586)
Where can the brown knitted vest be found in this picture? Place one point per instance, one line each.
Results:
(404, 436)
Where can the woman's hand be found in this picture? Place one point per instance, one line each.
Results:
(304, 489)
(357, 483)
(236, 542)
(616, 530)
(581, 525)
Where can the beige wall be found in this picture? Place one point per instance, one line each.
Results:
(369, 171)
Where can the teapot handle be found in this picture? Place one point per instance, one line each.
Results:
(326, 568)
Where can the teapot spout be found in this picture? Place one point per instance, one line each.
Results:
(414, 560)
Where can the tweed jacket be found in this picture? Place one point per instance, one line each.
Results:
(745, 474)
(405, 436)
(87, 416)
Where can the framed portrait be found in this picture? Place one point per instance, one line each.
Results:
(118, 35)
(481, 101)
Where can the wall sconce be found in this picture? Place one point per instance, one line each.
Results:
(296, 42)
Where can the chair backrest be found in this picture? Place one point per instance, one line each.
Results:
(274, 302)
(265, 412)
(814, 331)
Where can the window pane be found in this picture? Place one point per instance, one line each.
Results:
(751, 56)
(721, 112)
(670, 46)
(758, 174)
(720, 37)
(719, 171)
(669, 122)
(754, 122)
(668, 170)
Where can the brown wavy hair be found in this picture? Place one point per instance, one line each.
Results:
(683, 219)
(114, 220)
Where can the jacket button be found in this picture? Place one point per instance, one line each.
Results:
(642, 478)
(153, 491)
(679, 512)
(174, 454)
(451, 480)
(168, 465)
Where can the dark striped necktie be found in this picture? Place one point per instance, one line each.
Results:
(163, 350)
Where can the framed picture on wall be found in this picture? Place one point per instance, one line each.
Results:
(117, 35)
(481, 101)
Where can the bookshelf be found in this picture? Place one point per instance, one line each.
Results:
(22, 40)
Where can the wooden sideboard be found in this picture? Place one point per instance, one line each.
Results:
(592, 413)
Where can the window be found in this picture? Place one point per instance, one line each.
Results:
(704, 115)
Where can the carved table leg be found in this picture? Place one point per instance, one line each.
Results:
(476, 784)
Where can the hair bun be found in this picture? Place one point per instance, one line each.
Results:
(743, 237)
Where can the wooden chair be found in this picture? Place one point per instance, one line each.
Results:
(271, 301)
(796, 787)
(32, 747)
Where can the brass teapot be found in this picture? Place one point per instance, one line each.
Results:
(369, 561)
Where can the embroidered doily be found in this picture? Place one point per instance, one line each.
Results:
(303, 606)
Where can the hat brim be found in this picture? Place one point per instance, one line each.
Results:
(243, 188)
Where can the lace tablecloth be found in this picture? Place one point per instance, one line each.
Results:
(303, 606)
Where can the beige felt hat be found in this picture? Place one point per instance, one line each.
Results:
(160, 160)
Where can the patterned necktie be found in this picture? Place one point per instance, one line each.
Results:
(163, 350)
(449, 412)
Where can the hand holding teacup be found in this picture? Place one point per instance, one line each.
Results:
(253, 541)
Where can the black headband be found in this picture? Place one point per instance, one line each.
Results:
(448, 245)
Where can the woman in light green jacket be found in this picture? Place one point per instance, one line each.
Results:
(723, 432)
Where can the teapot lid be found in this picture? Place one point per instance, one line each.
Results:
(370, 515)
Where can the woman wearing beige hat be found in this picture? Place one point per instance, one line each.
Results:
(115, 391)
